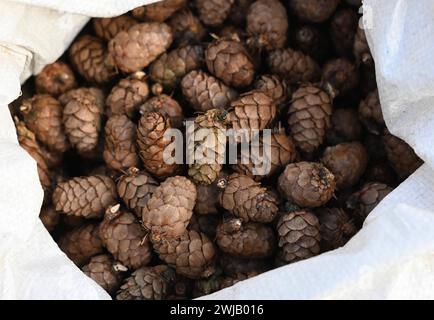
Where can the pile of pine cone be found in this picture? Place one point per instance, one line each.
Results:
(95, 121)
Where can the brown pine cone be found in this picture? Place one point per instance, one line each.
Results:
(124, 238)
(252, 112)
(347, 161)
(339, 76)
(120, 151)
(312, 41)
(299, 237)
(167, 106)
(250, 240)
(171, 67)
(293, 66)
(345, 126)
(148, 283)
(229, 61)
(55, 79)
(370, 195)
(82, 118)
(316, 11)
(214, 12)
(103, 270)
(209, 146)
(370, 113)
(170, 208)
(186, 28)
(81, 243)
(307, 184)
(343, 28)
(43, 116)
(85, 197)
(336, 228)
(49, 217)
(89, 57)
(192, 255)
(381, 172)
(127, 96)
(108, 28)
(275, 87)
(267, 24)
(206, 224)
(204, 92)
(159, 11)
(401, 156)
(135, 188)
(233, 265)
(260, 164)
(152, 143)
(309, 117)
(361, 49)
(27, 141)
(207, 202)
(247, 199)
(136, 48)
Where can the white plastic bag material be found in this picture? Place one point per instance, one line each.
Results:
(392, 257)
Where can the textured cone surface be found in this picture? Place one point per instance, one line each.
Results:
(370, 113)
(369, 196)
(252, 111)
(340, 75)
(345, 126)
(120, 151)
(148, 283)
(309, 117)
(27, 141)
(127, 96)
(191, 255)
(152, 143)
(275, 87)
(204, 92)
(206, 224)
(233, 265)
(293, 66)
(101, 269)
(213, 12)
(43, 116)
(336, 228)
(85, 197)
(88, 55)
(159, 11)
(209, 146)
(186, 27)
(81, 243)
(401, 156)
(299, 236)
(247, 199)
(136, 48)
(49, 217)
(343, 28)
(313, 10)
(55, 79)
(125, 239)
(347, 162)
(267, 24)
(170, 208)
(229, 61)
(171, 67)
(82, 117)
(361, 49)
(264, 164)
(108, 28)
(167, 106)
(250, 240)
(135, 189)
(307, 184)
